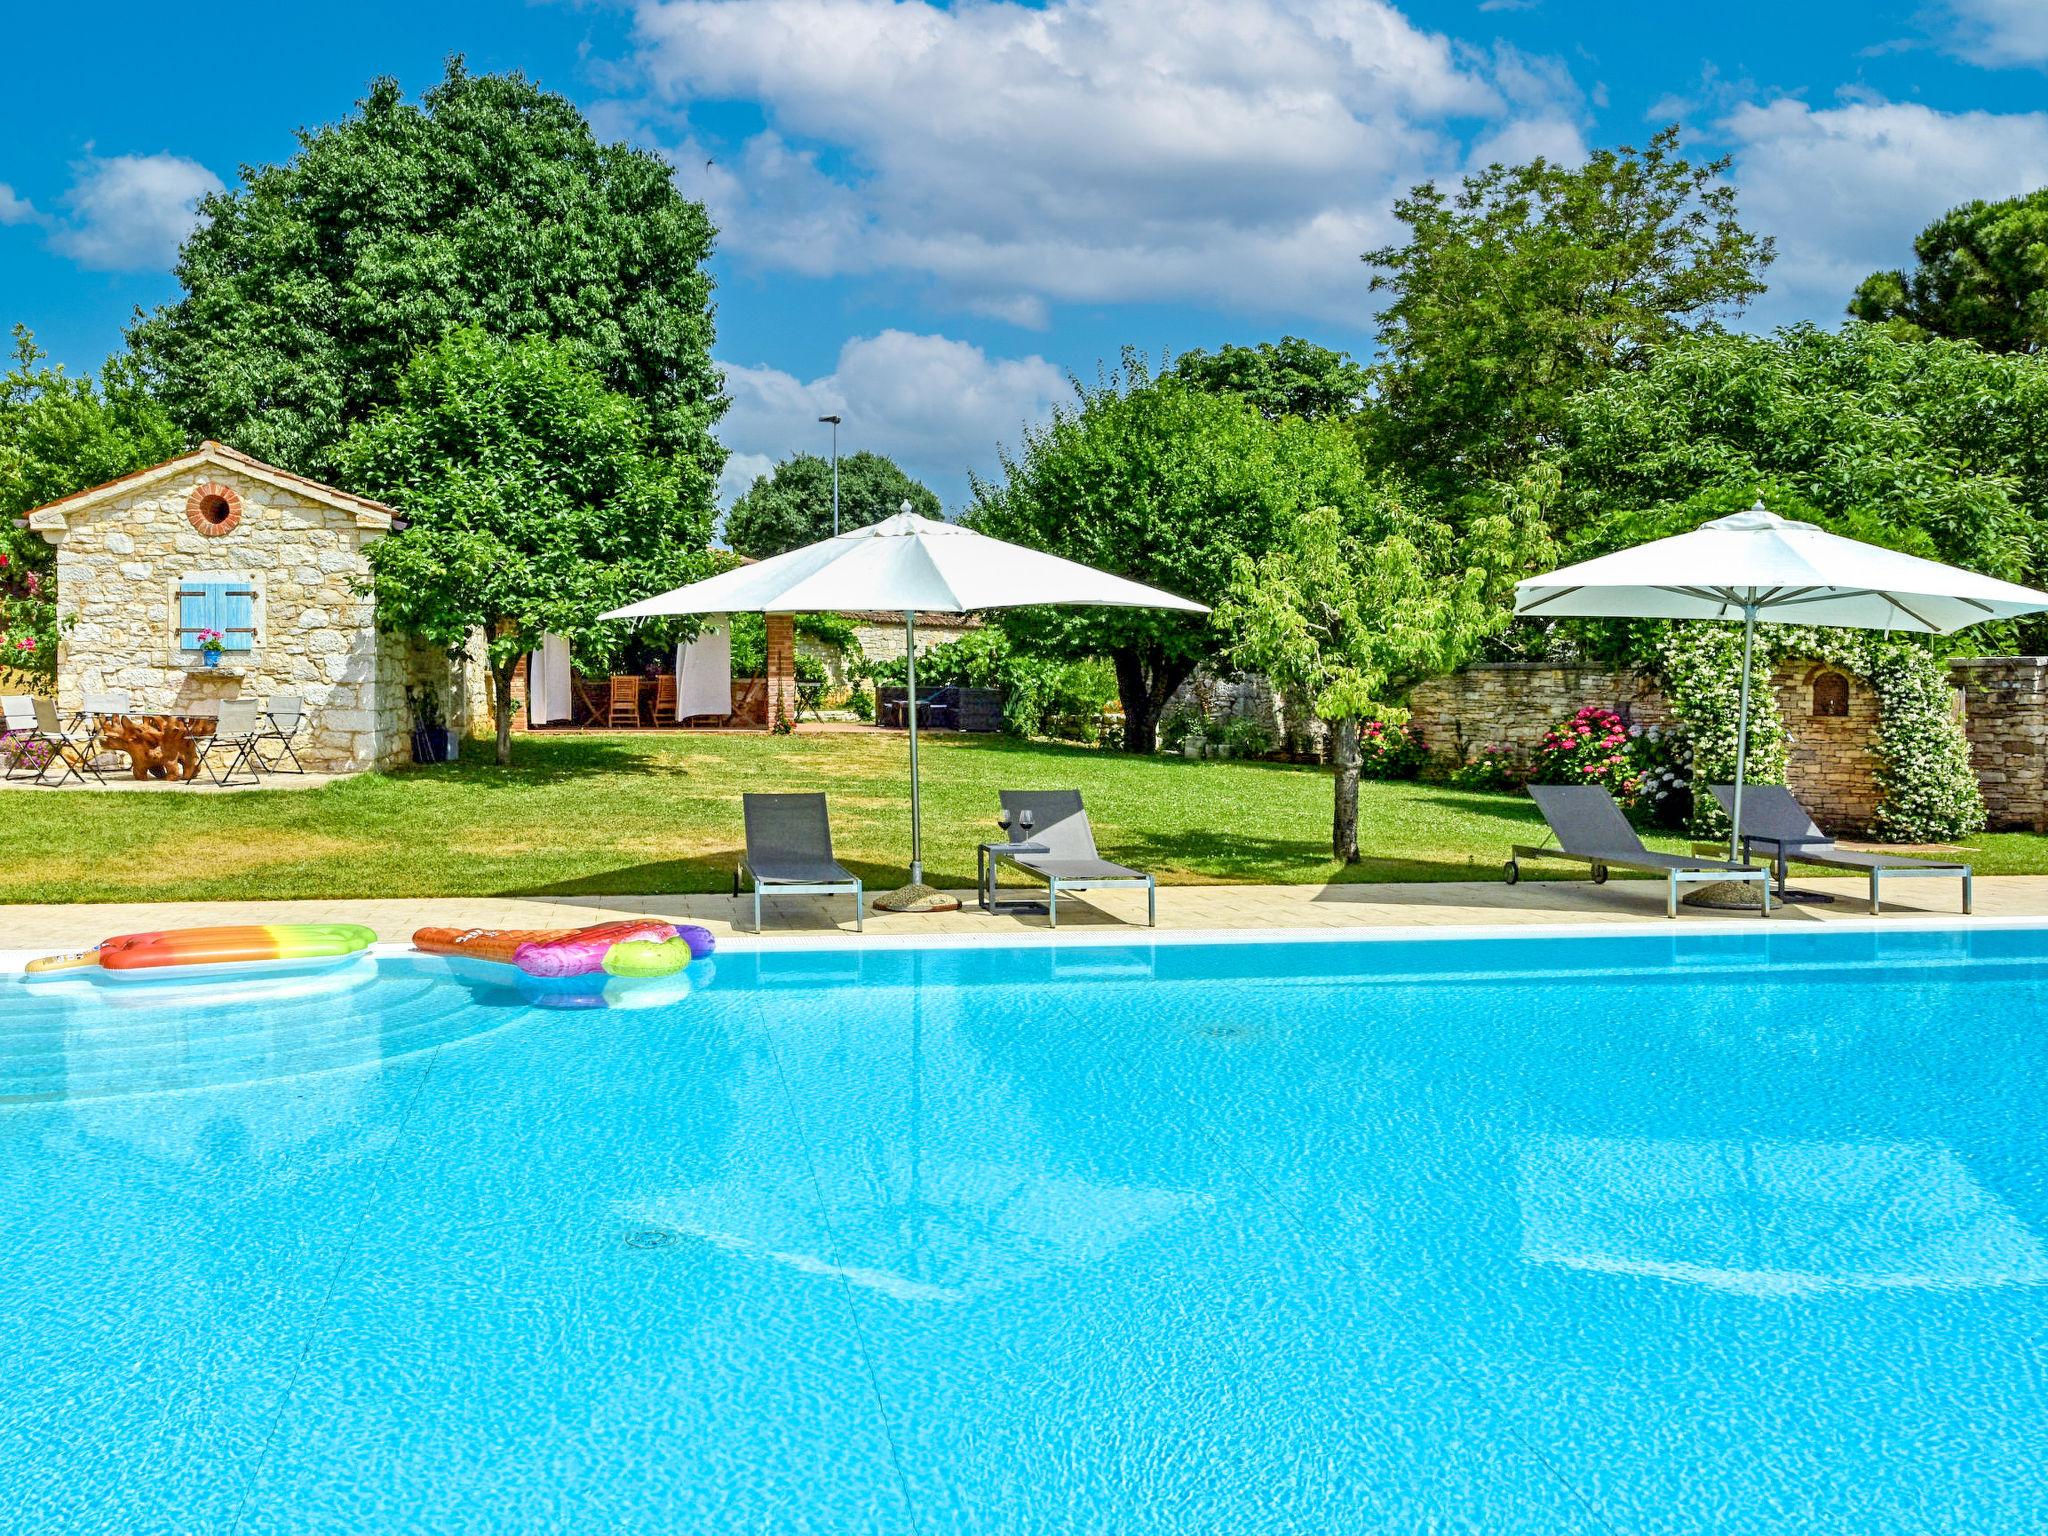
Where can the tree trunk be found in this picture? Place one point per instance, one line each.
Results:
(1344, 819)
(1144, 682)
(501, 711)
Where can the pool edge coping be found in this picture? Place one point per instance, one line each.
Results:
(13, 961)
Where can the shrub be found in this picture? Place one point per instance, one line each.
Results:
(1247, 737)
(1493, 767)
(1178, 724)
(1647, 769)
(1390, 751)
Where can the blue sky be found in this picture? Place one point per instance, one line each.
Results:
(932, 215)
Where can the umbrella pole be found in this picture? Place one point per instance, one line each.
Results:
(916, 896)
(910, 689)
(1741, 736)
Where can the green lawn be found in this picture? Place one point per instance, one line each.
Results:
(635, 814)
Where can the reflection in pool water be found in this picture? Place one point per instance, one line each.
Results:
(1671, 1235)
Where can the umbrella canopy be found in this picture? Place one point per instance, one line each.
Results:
(1789, 573)
(913, 565)
(908, 564)
(1759, 566)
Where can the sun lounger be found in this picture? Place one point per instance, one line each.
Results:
(1776, 823)
(1059, 825)
(789, 853)
(1590, 829)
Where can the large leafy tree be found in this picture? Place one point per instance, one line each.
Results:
(792, 505)
(60, 434)
(1350, 612)
(534, 499)
(1533, 282)
(1288, 377)
(1932, 446)
(1982, 276)
(490, 203)
(1153, 479)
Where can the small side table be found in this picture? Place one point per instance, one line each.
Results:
(985, 856)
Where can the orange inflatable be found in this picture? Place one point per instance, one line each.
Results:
(544, 951)
(250, 945)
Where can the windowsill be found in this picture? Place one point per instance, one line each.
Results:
(239, 667)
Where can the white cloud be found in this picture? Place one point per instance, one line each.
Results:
(1235, 152)
(937, 406)
(1845, 189)
(128, 212)
(15, 209)
(2000, 33)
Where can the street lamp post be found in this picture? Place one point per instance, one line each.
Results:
(835, 472)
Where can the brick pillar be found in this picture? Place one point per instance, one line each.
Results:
(781, 669)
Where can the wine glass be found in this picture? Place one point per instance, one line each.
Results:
(1003, 821)
(1024, 820)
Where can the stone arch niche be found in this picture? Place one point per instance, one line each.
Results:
(1830, 695)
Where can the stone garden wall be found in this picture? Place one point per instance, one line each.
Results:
(1831, 759)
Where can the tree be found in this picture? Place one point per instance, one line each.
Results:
(1290, 377)
(534, 500)
(1534, 282)
(1982, 277)
(1352, 612)
(309, 288)
(792, 506)
(59, 435)
(1931, 446)
(1165, 484)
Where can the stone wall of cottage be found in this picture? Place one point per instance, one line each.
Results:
(120, 565)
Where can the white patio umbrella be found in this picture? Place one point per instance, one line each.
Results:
(907, 564)
(1759, 566)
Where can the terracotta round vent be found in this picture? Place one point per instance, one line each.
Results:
(214, 509)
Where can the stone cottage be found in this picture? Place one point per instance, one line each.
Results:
(218, 540)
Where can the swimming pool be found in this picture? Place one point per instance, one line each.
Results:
(1730, 1234)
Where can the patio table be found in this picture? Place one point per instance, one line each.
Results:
(161, 745)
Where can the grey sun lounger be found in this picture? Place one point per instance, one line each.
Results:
(789, 853)
(1776, 823)
(1590, 829)
(1059, 825)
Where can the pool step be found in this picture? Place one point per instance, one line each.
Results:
(67, 1051)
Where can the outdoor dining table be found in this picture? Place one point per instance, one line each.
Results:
(159, 744)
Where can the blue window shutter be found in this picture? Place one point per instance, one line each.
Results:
(193, 608)
(238, 613)
(220, 605)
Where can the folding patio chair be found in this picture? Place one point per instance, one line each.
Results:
(72, 748)
(284, 715)
(18, 733)
(237, 730)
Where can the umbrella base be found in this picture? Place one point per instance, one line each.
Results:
(915, 898)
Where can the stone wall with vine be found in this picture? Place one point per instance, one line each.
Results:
(1926, 790)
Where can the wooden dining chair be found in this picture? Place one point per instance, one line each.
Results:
(625, 708)
(665, 699)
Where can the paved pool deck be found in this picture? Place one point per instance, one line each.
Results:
(1183, 908)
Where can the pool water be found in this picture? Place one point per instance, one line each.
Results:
(1701, 1234)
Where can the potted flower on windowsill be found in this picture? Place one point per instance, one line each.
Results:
(210, 647)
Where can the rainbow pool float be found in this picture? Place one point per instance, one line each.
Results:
(260, 946)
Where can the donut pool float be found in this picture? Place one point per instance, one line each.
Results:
(257, 945)
(631, 947)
